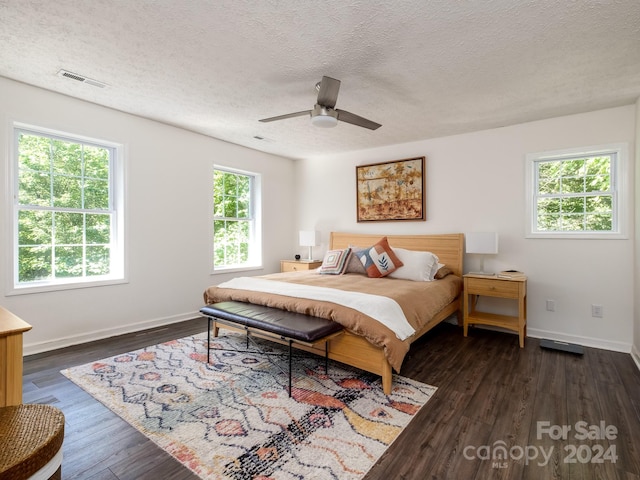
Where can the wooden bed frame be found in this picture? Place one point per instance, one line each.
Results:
(357, 351)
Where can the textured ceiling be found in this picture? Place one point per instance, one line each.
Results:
(421, 68)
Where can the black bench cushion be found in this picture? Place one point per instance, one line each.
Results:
(281, 322)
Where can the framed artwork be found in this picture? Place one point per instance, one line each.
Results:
(391, 191)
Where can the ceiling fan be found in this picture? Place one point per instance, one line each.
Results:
(323, 113)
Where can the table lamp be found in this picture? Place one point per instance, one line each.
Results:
(482, 243)
(309, 238)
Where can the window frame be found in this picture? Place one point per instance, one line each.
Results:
(117, 188)
(619, 190)
(255, 207)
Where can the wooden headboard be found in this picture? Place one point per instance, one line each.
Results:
(448, 247)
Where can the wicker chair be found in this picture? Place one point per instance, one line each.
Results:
(31, 439)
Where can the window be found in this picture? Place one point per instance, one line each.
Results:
(577, 193)
(67, 211)
(236, 225)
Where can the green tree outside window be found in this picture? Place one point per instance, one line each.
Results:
(233, 219)
(575, 195)
(64, 209)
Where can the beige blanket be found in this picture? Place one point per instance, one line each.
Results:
(420, 301)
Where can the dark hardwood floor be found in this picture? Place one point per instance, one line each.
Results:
(491, 394)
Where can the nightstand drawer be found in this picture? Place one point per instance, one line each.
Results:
(298, 266)
(492, 287)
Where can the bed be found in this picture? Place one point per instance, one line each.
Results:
(367, 344)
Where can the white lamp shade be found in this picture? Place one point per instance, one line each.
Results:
(482, 242)
(308, 238)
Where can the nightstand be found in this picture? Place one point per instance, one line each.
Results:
(299, 265)
(492, 286)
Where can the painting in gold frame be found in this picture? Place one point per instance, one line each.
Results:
(391, 191)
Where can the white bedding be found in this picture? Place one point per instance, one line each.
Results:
(383, 309)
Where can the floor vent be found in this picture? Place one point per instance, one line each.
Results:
(81, 78)
(562, 346)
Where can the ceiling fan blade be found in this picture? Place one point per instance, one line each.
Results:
(288, 115)
(354, 119)
(328, 93)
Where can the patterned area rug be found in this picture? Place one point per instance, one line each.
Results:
(234, 419)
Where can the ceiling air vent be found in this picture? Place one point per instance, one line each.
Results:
(81, 78)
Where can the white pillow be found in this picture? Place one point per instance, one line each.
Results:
(418, 266)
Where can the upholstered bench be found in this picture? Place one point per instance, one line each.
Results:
(271, 323)
(31, 439)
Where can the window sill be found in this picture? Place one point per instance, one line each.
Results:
(579, 236)
(44, 288)
(237, 269)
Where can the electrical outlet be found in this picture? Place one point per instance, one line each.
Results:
(551, 305)
(596, 311)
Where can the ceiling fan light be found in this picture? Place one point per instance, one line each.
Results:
(324, 121)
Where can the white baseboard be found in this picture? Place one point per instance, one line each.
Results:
(584, 341)
(563, 337)
(39, 347)
(635, 354)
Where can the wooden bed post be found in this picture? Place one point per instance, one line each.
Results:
(387, 377)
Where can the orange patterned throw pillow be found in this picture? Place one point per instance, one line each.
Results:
(379, 259)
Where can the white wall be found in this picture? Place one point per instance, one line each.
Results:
(169, 190)
(475, 182)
